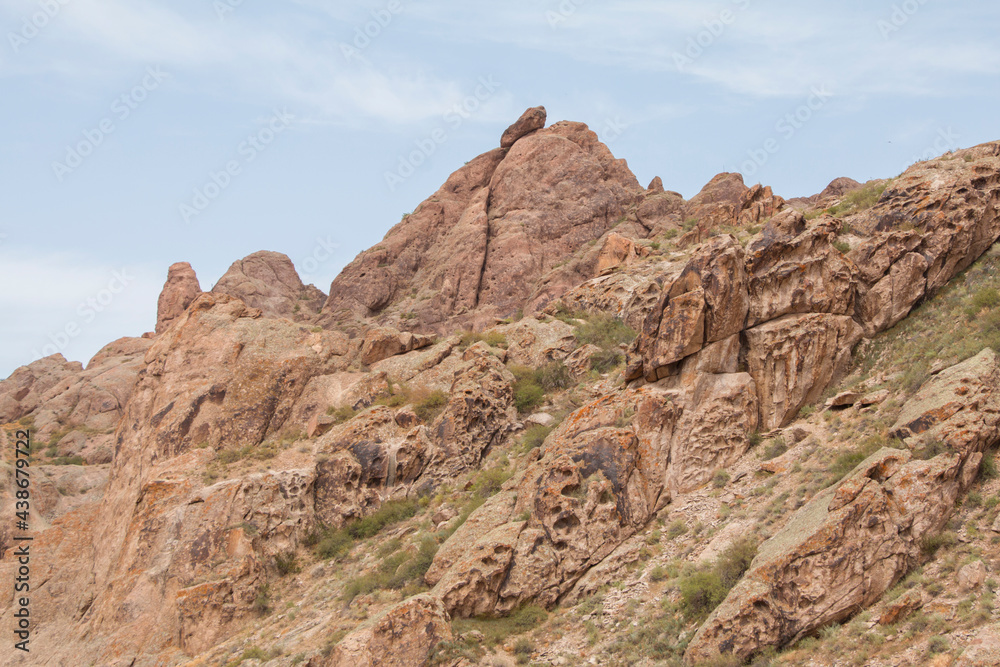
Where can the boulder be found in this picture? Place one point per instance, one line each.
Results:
(618, 251)
(706, 303)
(804, 274)
(531, 121)
(383, 342)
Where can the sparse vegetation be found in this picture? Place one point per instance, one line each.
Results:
(333, 543)
(703, 588)
(859, 200)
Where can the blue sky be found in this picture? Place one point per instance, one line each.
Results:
(138, 133)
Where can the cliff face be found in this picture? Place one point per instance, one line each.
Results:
(544, 380)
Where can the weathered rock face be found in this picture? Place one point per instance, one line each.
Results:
(268, 281)
(512, 215)
(81, 406)
(706, 303)
(382, 343)
(616, 252)
(603, 473)
(718, 203)
(892, 298)
(852, 542)
(220, 377)
(401, 637)
(178, 292)
(951, 203)
(795, 358)
(388, 453)
(805, 274)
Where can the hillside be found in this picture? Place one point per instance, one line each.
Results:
(553, 418)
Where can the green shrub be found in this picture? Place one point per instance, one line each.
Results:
(342, 414)
(775, 449)
(262, 603)
(606, 360)
(491, 338)
(553, 376)
(489, 481)
(528, 393)
(496, 630)
(859, 200)
(930, 544)
(603, 330)
(535, 435)
(720, 478)
(335, 543)
(938, 645)
(988, 468)
(705, 587)
(68, 461)
(431, 406)
(286, 564)
(676, 529)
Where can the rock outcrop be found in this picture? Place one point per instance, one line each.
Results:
(268, 281)
(179, 291)
(854, 541)
(477, 250)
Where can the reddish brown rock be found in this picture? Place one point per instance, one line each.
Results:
(382, 343)
(178, 292)
(531, 121)
(901, 609)
(616, 252)
(805, 274)
(794, 359)
(892, 298)
(268, 281)
(402, 636)
(706, 303)
(477, 251)
(854, 541)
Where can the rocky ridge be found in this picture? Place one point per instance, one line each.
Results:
(263, 415)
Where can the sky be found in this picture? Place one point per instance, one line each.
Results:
(139, 133)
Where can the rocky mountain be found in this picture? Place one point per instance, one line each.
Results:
(553, 418)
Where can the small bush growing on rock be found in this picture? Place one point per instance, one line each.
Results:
(491, 338)
(988, 468)
(603, 330)
(930, 544)
(431, 406)
(333, 543)
(705, 587)
(496, 630)
(938, 645)
(534, 436)
(341, 414)
(777, 447)
(286, 564)
(262, 603)
(720, 478)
